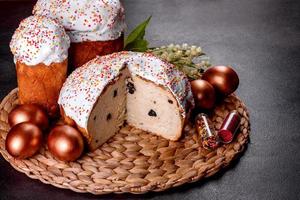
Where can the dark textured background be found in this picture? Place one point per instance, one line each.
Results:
(261, 40)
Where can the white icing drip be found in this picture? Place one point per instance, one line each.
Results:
(39, 40)
(86, 20)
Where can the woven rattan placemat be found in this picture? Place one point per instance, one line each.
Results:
(133, 161)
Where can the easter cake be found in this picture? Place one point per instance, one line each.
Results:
(40, 48)
(95, 27)
(138, 88)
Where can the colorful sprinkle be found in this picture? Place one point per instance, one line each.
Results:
(86, 20)
(83, 87)
(39, 40)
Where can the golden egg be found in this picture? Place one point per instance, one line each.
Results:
(29, 113)
(24, 140)
(223, 78)
(65, 143)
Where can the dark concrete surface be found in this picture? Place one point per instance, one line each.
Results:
(261, 40)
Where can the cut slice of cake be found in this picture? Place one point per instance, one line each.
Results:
(139, 88)
(109, 111)
(153, 108)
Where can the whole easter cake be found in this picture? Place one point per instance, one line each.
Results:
(95, 27)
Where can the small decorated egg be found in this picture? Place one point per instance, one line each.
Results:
(204, 94)
(24, 140)
(28, 113)
(65, 143)
(224, 79)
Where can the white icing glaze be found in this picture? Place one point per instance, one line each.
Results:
(39, 40)
(86, 20)
(83, 87)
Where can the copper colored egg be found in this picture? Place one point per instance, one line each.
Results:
(24, 140)
(65, 143)
(28, 113)
(224, 79)
(204, 94)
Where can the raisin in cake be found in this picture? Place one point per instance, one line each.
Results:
(138, 88)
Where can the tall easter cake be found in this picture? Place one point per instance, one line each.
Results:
(138, 88)
(40, 48)
(95, 27)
